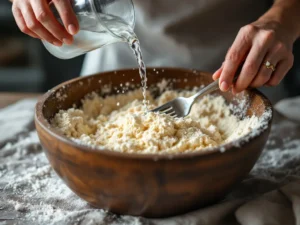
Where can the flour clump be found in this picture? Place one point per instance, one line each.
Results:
(120, 123)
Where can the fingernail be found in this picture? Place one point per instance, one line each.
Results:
(224, 86)
(72, 29)
(57, 43)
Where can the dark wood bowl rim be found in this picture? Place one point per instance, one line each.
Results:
(231, 146)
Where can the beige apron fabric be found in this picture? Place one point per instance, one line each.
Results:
(175, 33)
(279, 207)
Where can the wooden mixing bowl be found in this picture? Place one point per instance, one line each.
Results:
(145, 185)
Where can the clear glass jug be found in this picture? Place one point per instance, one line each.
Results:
(101, 22)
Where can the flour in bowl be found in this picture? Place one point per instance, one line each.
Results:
(119, 123)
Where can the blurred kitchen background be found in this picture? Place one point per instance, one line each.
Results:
(26, 66)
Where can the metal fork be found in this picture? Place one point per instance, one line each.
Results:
(181, 106)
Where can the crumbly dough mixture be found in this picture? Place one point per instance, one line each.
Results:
(119, 123)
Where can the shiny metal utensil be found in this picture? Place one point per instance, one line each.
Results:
(181, 106)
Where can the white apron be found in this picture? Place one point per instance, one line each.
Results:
(192, 34)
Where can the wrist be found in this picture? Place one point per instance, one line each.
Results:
(285, 13)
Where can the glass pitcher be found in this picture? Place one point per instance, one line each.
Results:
(101, 22)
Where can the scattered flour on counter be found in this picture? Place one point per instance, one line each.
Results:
(31, 193)
(119, 123)
(34, 193)
(277, 163)
(19, 206)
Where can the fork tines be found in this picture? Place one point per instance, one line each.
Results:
(166, 109)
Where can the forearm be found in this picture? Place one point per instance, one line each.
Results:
(287, 13)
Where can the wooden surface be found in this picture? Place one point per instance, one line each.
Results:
(10, 98)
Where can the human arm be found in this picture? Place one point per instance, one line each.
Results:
(270, 38)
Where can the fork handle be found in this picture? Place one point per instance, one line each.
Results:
(215, 85)
(206, 90)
